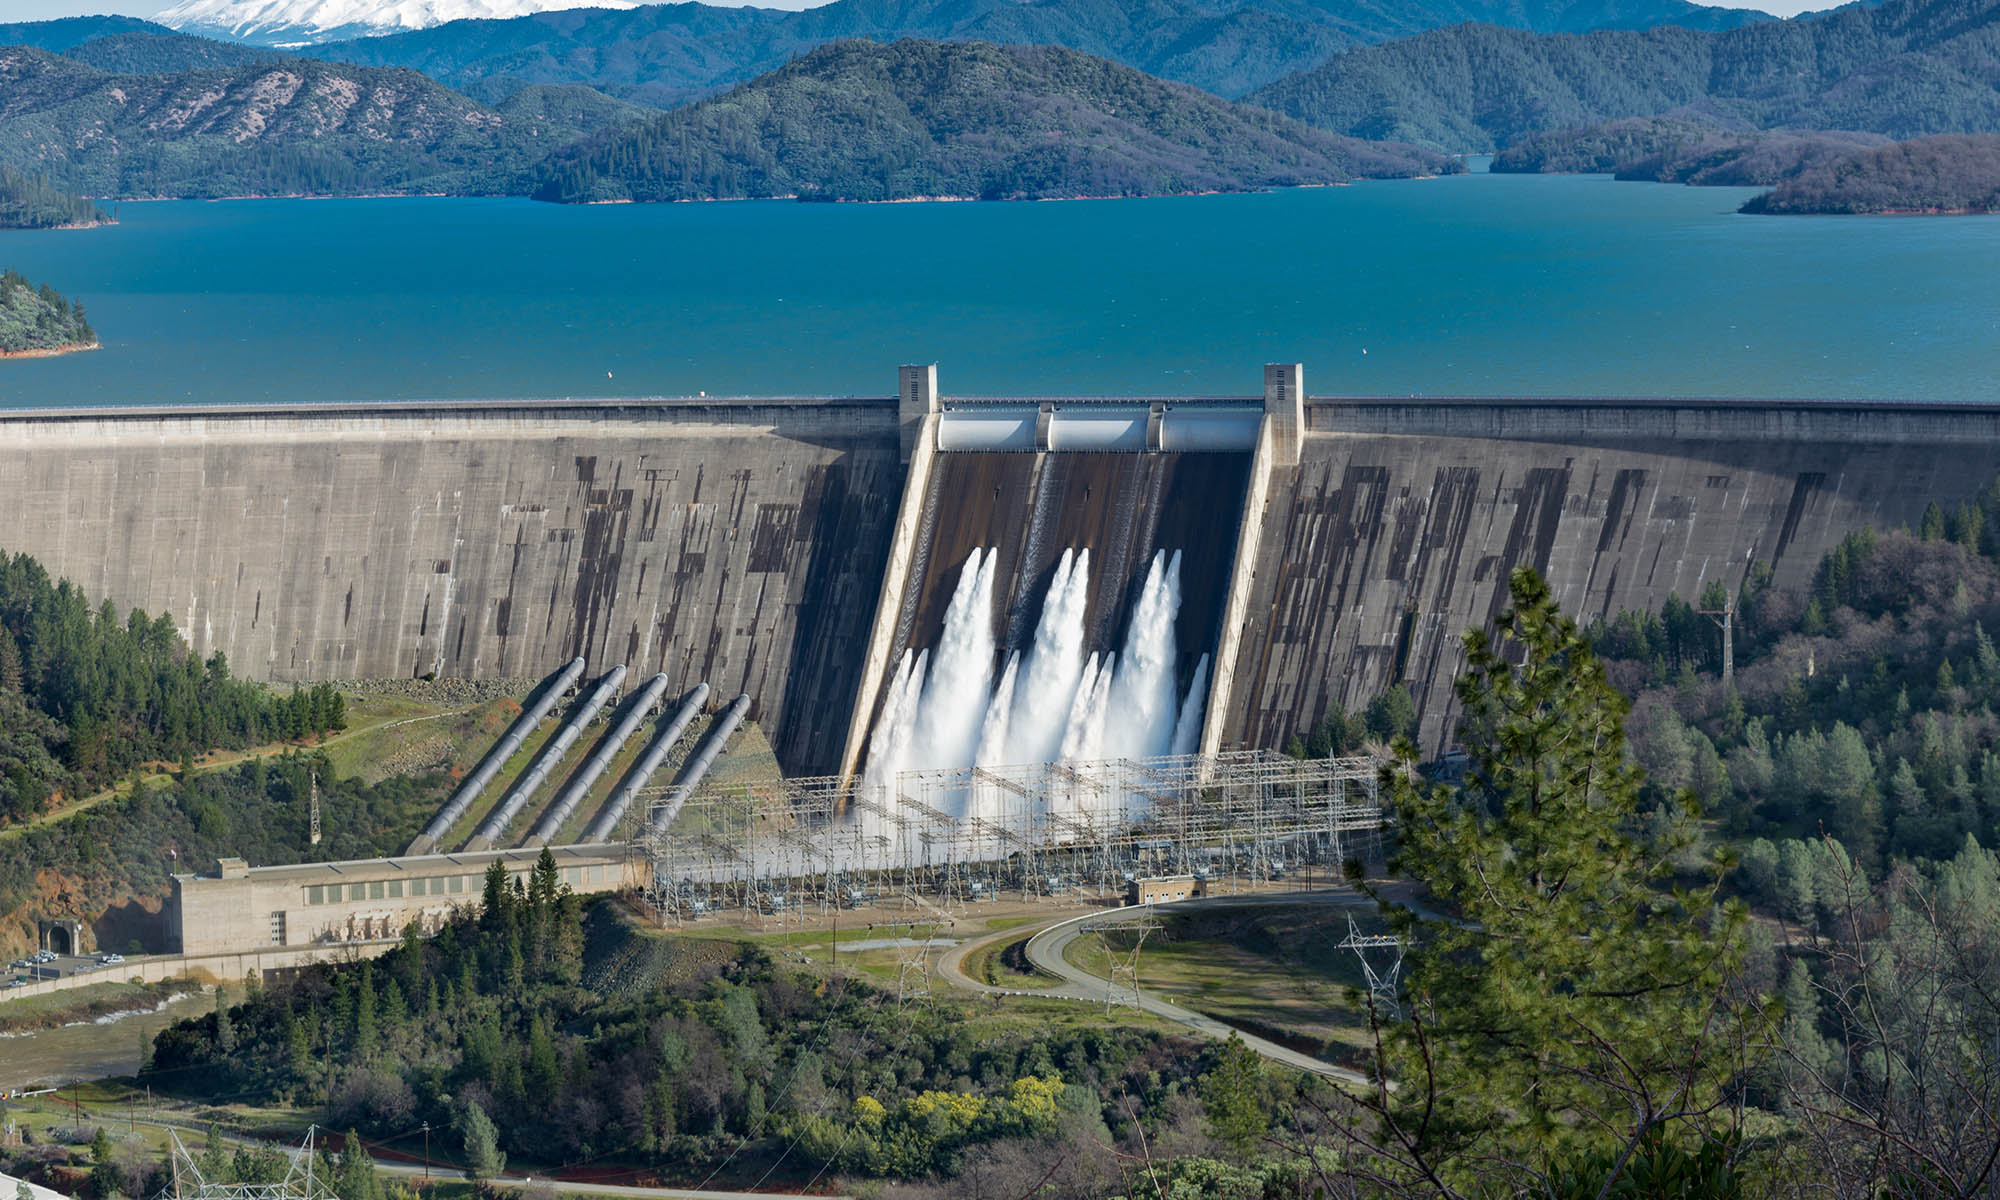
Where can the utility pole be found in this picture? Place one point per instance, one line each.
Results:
(427, 1153)
(1726, 618)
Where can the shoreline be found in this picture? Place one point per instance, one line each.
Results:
(52, 228)
(51, 351)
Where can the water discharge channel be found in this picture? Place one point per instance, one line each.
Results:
(1059, 607)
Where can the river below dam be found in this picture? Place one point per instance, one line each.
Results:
(111, 1045)
(1474, 285)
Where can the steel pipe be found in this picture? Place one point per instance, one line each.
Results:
(497, 757)
(606, 822)
(704, 758)
(510, 805)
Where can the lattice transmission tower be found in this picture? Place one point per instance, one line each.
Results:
(1385, 985)
(302, 1180)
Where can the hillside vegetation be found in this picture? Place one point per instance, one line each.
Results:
(730, 1060)
(1905, 69)
(1834, 172)
(29, 202)
(88, 695)
(293, 126)
(1679, 150)
(861, 121)
(1948, 174)
(35, 319)
(663, 54)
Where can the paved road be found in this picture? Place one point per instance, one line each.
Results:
(406, 1170)
(1045, 951)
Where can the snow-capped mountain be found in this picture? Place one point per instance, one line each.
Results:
(299, 22)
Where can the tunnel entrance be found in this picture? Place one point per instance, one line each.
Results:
(62, 937)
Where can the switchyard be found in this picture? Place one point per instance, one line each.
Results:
(1059, 831)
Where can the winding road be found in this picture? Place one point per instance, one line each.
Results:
(1045, 950)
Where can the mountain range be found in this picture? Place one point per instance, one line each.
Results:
(283, 126)
(858, 120)
(295, 22)
(664, 54)
(1904, 69)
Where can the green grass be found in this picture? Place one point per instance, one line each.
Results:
(1271, 970)
(988, 964)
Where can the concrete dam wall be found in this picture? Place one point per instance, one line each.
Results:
(1399, 525)
(746, 543)
(740, 544)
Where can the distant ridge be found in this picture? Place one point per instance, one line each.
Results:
(663, 54)
(288, 126)
(1905, 69)
(857, 120)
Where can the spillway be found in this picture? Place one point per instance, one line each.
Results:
(605, 823)
(1059, 605)
(538, 707)
(548, 760)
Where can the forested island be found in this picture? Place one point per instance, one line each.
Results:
(30, 202)
(37, 320)
(1945, 174)
(857, 120)
(1831, 172)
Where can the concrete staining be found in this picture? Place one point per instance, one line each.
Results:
(737, 543)
(1398, 528)
(745, 543)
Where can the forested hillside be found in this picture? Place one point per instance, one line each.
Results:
(1905, 69)
(91, 695)
(1948, 174)
(1681, 150)
(29, 202)
(1864, 705)
(663, 54)
(283, 127)
(145, 52)
(39, 320)
(861, 121)
(492, 1033)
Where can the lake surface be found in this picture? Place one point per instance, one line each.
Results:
(1480, 284)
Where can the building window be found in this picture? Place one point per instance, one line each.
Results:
(357, 891)
(395, 889)
(458, 883)
(277, 929)
(315, 895)
(375, 890)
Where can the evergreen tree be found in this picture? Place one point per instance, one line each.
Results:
(482, 1142)
(1232, 1098)
(1572, 1006)
(225, 1030)
(356, 1179)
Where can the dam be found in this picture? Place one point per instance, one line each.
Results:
(796, 552)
